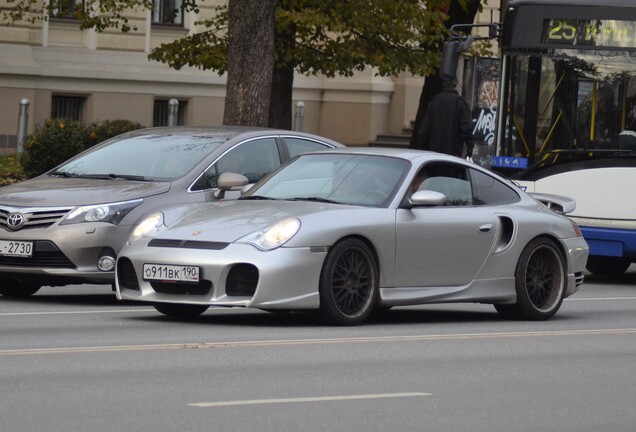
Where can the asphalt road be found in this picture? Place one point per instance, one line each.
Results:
(74, 359)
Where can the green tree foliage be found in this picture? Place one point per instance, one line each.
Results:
(328, 37)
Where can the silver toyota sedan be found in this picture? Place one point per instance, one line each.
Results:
(348, 231)
(69, 224)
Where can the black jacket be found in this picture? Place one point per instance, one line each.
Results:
(447, 125)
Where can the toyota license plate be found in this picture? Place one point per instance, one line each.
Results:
(171, 273)
(16, 248)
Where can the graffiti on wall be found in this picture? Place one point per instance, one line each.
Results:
(484, 112)
(486, 84)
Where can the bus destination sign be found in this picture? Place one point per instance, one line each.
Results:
(589, 33)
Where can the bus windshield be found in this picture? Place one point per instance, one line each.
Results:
(569, 82)
(570, 99)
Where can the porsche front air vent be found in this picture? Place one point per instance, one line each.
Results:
(126, 276)
(242, 280)
(201, 288)
(187, 244)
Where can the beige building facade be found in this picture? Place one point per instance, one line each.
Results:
(52, 68)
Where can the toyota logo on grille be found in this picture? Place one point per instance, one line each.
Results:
(15, 221)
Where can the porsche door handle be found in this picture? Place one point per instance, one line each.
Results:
(485, 228)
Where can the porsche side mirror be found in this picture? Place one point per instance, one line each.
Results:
(427, 198)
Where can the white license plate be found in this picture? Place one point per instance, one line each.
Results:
(171, 273)
(16, 248)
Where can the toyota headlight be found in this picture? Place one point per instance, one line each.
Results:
(110, 213)
(149, 227)
(273, 237)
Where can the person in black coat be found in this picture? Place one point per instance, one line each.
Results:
(448, 124)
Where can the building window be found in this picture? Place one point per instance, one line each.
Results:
(67, 107)
(167, 12)
(64, 8)
(162, 111)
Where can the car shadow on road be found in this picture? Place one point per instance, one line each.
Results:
(395, 316)
(69, 300)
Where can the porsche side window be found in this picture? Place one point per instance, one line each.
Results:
(297, 146)
(451, 180)
(488, 190)
(254, 159)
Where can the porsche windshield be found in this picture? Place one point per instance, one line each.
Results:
(340, 178)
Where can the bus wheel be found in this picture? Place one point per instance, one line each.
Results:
(607, 266)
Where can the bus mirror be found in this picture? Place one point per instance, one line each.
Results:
(450, 57)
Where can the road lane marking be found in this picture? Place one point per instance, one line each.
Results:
(308, 399)
(100, 311)
(327, 341)
(599, 298)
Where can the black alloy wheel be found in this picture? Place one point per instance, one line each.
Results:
(540, 279)
(348, 283)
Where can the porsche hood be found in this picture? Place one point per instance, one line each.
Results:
(228, 221)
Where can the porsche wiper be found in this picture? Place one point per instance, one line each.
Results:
(316, 199)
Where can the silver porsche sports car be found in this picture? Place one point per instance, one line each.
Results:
(350, 230)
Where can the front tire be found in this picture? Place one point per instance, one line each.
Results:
(607, 266)
(10, 287)
(180, 310)
(348, 283)
(540, 278)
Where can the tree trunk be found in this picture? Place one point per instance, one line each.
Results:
(251, 65)
(280, 110)
(433, 83)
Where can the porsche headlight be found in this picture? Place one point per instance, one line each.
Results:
(110, 213)
(149, 227)
(273, 237)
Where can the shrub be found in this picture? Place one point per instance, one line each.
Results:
(58, 140)
(10, 170)
(52, 143)
(110, 128)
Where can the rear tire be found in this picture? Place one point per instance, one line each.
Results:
(180, 310)
(540, 278)
(348, 283)
(607, 266)
(10, 287)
